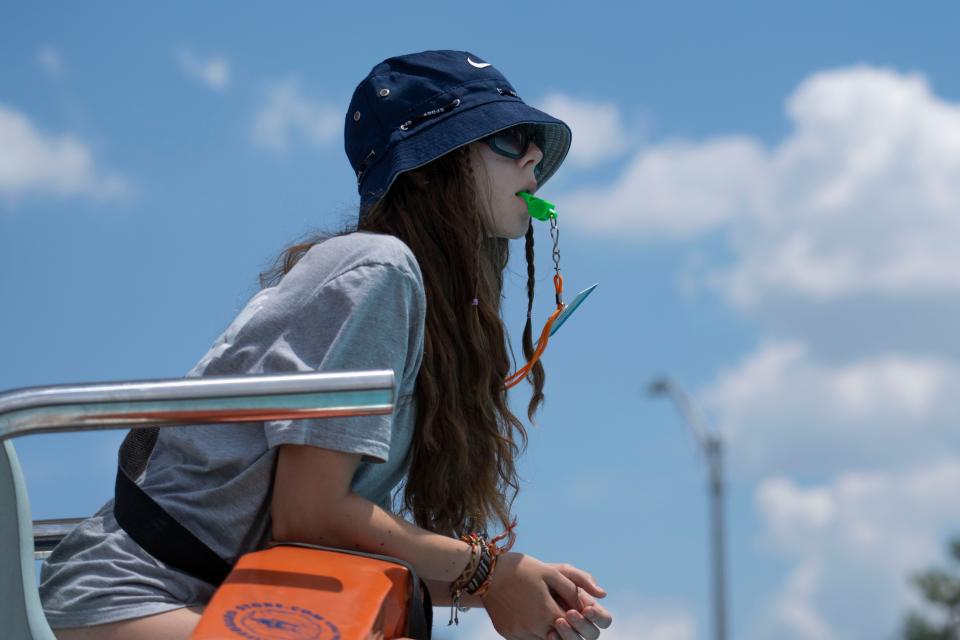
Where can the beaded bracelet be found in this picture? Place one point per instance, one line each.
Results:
(495, 553)
(456, 588)
(482, 572)
(477, 576)
(470, 569)
(482, 589)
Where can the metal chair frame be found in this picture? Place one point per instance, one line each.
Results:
(142, 404)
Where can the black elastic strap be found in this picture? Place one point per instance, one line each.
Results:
(420, 625)
(161, 536)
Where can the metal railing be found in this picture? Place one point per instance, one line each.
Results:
(186, 401)
(48, 533)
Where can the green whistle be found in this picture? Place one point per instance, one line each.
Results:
(538, 207)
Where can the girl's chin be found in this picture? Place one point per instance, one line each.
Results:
(518, 233)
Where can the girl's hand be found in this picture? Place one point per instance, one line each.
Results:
(586, 617)
(522, 601)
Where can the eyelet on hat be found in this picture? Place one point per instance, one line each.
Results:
(356, 116)
(384, 93)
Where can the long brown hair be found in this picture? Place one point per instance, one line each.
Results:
(462, 473)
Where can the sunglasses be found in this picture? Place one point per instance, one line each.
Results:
(515, 142)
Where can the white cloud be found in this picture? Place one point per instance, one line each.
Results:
(672, 189)
(860, 197)
(855, 542)
(599, 131)
(289, 114)
(793, 611)
(36, 163)
(782, 409)
(212, 71)
(652, 626)
(50, 60)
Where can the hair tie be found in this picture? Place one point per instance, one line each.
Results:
(475, 302)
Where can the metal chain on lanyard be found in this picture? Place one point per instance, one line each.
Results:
(555, 236)
(515, 378)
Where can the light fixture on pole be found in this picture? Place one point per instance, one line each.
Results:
(711, 445)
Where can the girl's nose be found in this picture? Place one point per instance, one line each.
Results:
(532, 157)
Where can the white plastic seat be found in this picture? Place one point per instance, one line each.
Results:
(21, 615)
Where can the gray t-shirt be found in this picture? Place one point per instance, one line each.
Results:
(353, 302)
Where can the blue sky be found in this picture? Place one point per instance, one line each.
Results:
(767, 196)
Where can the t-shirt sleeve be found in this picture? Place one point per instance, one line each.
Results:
(369, 317)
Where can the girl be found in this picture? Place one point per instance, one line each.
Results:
(441, 145)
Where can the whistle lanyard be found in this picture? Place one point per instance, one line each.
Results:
(515, 378)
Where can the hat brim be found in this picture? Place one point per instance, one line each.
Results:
(459, 128)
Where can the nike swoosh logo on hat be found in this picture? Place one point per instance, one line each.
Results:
(478, 65)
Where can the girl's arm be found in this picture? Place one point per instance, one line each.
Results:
(312, 502)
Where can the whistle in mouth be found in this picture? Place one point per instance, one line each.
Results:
(538, 207)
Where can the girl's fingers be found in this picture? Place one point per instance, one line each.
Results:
(552, 635)
(565, 630)
(582, 579)
(594, 612)
(581, 625)
(564, 588)
(598, 615)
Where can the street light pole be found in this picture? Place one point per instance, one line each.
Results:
(714, 453)
(712, 446)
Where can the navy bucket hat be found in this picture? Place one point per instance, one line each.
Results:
(414, 108)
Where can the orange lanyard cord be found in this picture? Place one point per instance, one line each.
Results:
(515, 378)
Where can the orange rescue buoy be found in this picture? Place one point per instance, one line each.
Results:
(303, 592)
